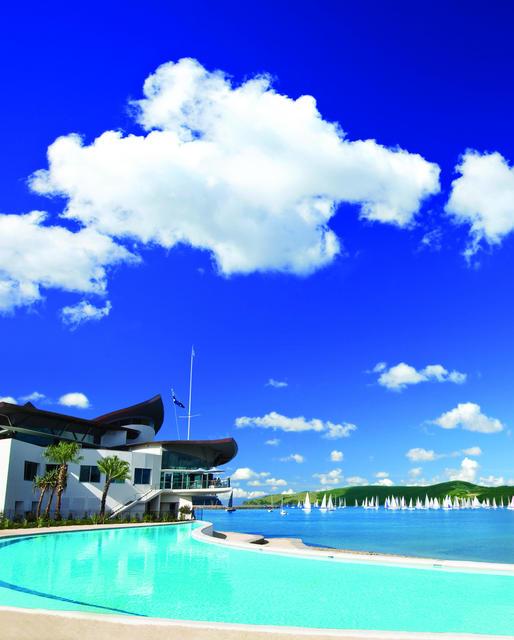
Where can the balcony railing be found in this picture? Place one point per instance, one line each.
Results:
(180, 481)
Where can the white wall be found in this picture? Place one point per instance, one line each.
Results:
(79, 497)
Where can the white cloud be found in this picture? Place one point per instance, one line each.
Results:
(385, 482)
(402, 375)
(35, 396)
(469, 416)
(415, 472)
(472, 451)
(84, 311)
(273, 482)
(379, 367)
(35, 256)
(483, 198)
(336, 456)
(331, 477)
(356, 481)
(418, 454)
(248, 174)
(294, 457)
(287, 492)
(493, 481)
(276, 421)
(274, 442)
(8, 399)
(74, 399)
(382, 474)
(244, 473)
(242, 493)
(277, 384)
(467, 472)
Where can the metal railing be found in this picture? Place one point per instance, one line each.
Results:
(181, 481)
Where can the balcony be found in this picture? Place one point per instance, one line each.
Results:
(181, 480)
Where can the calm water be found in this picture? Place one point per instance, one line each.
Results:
(483, 535)
(163, 572)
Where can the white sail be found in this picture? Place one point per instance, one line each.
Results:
(427, 502)
(330, 504)
(307, 503)
(323, 503)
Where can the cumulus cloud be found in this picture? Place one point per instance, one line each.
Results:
(382, 474)
(276, 384)
(8, 399)
(469, 416)
(472, 451)
(276, 421)
(273, 442)
(242, 493)
(36, 256)
(385, 482)
(418, 454)
(336, 456)
(493, 481)
(257, 478)
(467, 472)
(330, 477)
(287, 492)
(35, 396)
(357, 481)
(84, 311)
(415, 472)
(272, 482)
(483, 198)
(294, 457)
(239, 170)
(402, 375)
(74, 399)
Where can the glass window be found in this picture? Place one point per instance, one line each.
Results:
(30, 470)
(181, 460)
(142, 476)
(89, 473)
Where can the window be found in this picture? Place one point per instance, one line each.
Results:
(89, 473)
(142, 476)
(30, 470)
(51, 467)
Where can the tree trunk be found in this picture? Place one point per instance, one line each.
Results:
(61, 484)
(40, 502)
(49, 503)
(104, 498)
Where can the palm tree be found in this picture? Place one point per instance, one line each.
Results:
(114, 469)
(62, 454)
(41, 484)
(51, 477)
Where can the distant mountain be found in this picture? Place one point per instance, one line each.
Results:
(452, 488)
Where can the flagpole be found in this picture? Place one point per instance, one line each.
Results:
(190, 393)
(175, 407)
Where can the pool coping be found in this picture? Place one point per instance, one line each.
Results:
(17, 623)
(295, 547)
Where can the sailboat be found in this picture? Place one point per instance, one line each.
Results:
(324, 503)
(270, 508)
(330, 504)
(230, 507)
(307, 503)
(283, 512)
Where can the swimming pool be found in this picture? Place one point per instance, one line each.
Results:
(164, 572)
(481, 535)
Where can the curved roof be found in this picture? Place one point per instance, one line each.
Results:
(216, 452)
(152, 409)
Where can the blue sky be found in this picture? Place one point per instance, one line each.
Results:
(225, 210)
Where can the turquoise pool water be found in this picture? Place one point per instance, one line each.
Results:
(164, 572)
(484, 536)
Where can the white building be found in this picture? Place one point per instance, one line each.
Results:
(165, 475)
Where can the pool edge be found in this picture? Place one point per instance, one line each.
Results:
(204, 533)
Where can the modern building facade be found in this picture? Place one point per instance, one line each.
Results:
(165, 475)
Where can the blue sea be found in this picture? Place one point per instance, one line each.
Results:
(480, 535)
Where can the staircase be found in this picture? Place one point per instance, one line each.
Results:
(144, 497)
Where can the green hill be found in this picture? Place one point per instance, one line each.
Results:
(453, 488)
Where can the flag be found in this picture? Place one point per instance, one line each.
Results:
(177, 402)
